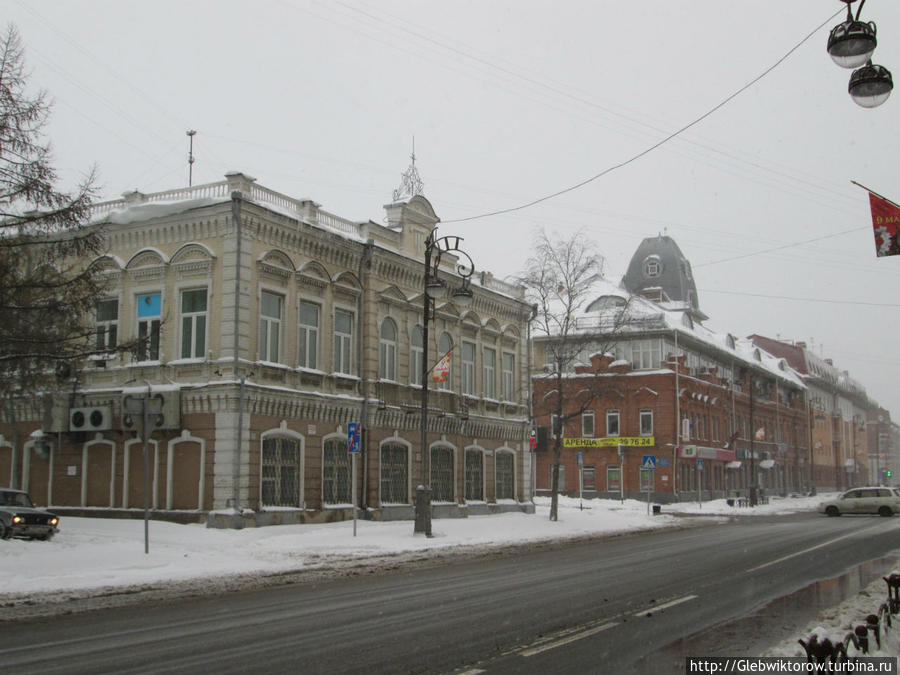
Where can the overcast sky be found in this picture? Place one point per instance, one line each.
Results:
(510, 102)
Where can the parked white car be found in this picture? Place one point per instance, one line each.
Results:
(884, 501)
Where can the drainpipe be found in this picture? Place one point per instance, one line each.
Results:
(236, 469)
(365, 263)
(677, 423)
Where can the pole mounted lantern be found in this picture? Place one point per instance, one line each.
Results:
(462, 296)
(851, 44)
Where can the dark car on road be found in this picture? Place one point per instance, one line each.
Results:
(19, 517)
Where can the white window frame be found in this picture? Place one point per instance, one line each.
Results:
(153, 325)
(387, 350)
(308, 337)
(508, 392)
(613, 416)
(343, 345)
(270, 329)
(416, 355)
(588, 427)
(489, 372)
(468, 368)
(644, 414)
(194, 318)
(445, 344)
(106, 327)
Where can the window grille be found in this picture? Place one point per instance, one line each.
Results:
(442, 474)
(336, 472)
(280, 458)
(505, 475)
(474, 475)
(394, 474)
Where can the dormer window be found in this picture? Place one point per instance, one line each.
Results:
(652, 267)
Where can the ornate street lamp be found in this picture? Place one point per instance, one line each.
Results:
(851, 44)
(436, 288)
(871, 85)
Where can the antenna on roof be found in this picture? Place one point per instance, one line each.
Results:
(191, 133)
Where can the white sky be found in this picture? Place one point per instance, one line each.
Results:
(90, 554)
(510, 101)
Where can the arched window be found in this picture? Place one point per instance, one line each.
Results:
(474, 475)
(336, 472)
(416, 353)
(505, 475)
(442, 477)
(394, 474)
(279, 482)
(388, 364)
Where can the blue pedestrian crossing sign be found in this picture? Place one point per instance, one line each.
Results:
(648, 462)
(353, 437)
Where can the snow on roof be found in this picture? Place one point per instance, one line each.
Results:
(645, 315)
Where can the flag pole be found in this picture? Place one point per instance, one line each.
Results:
(875, 193)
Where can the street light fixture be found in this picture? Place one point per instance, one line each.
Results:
(462, 296)
(851, 44)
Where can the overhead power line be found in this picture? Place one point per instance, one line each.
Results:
(660, 143)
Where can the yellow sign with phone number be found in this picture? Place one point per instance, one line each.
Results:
(610, 441)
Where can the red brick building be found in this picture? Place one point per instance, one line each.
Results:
(676, 407)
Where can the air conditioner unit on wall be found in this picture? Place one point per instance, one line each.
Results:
(165, 407)
(93, 418)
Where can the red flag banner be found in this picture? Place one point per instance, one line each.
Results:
(886, 224)
(442, 370)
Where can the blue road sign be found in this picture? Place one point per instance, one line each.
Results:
(648, 462)
(353, 437)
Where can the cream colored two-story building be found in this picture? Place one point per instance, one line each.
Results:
(267, 327)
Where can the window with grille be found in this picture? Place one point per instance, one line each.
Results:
(149, 312)
(442, 474)
(280, 462)
(308, 337)
(509, 368)
(343, 338)
(107, 324)
(489, 358)
(193, 324)
(394, 474)
(387, 366)
(270, 306)
(474, 475)
(336, 472)
(468, 368)
(505, 475)
(416, 355)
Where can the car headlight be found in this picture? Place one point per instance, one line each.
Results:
(54, 521)
(17, 519)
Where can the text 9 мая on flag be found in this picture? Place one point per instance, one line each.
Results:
(885, 223)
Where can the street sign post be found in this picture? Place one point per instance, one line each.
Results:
(700, 482)
(648, 463)
(353, 433)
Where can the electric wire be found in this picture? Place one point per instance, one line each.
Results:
(660, 143)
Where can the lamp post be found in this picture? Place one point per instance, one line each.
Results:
(436, 288)
(851, 44)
